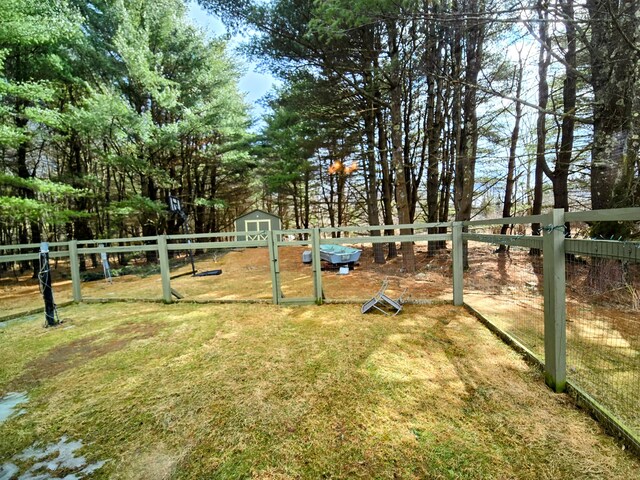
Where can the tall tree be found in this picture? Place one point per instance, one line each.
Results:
(513, 148)
(124, 102)
(614, 50)
(544, 59)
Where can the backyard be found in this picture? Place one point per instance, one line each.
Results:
(146, 390)
(245, 276)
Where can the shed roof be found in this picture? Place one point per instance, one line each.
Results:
(258, 210)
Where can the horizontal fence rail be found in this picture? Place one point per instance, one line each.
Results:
(207, 245)
(32, 256)
(506, 221)
(515, 240)
(603, 248)
(32, 245)
(381, 228)
(386, 239)
(123, 249)
(195, 236)
(117, 240)
(612, 215)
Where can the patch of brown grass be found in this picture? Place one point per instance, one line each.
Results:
(79, 352)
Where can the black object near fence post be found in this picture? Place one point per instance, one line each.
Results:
(44, 276)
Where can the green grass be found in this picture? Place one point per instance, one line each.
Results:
(259, 391)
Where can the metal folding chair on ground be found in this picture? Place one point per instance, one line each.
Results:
(382, 302)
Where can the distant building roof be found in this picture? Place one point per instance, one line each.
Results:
(260, 211)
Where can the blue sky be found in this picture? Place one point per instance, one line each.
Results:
(255, 82)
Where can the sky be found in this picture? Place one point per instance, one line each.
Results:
(254, 82)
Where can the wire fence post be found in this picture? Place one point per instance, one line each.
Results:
(274, 268)
(457, 250)
(74, 265)
(165, 272)
(554, 285)
(317, 265)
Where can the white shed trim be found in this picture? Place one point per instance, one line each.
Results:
(260, 227)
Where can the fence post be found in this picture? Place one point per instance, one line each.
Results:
(74, 265)
(274, 268)
(317, 265)
(457, 250)
(555, 340)
(165, 272)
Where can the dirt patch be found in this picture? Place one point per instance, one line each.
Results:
(137, 331)
(80, 352)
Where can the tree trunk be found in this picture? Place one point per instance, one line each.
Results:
(511, 167)
(616, 127)
(387, 179)
(565, 154)
(23, 172)
(395, 95)
(433, 130)
(544, 58)
(150, 191)
(373, 212)
(468, 134)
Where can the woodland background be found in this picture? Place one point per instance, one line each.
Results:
(387, 112)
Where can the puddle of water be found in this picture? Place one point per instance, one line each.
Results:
(8, 471)
(9, 402)
(48, 460)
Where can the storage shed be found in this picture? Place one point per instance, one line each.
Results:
(255, 222)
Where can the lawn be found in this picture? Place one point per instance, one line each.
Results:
(238, 391)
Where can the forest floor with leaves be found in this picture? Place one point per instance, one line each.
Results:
(237, 391)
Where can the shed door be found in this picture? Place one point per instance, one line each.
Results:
(255, 229)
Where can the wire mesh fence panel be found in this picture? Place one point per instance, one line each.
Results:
(296, 271)
(603, 324)
(119, 270)
(60, 281)
(432, 279)
(233, 273)
(505, 285)
(20, 288)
